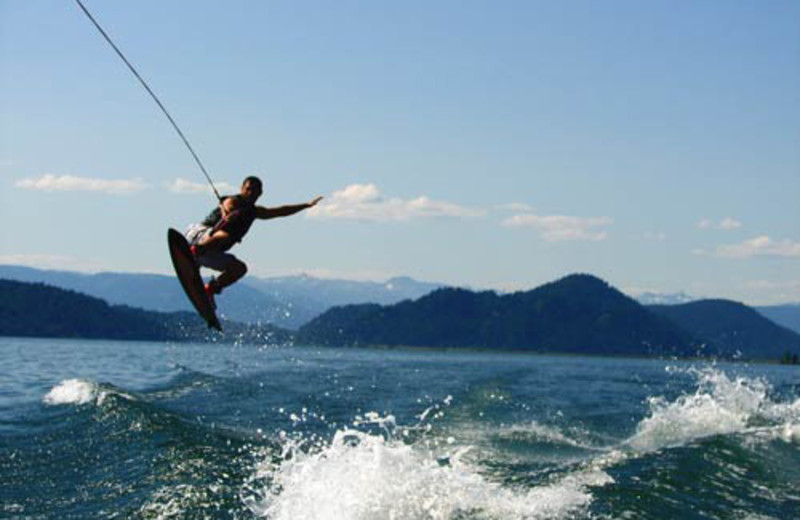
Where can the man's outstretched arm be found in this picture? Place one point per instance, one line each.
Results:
(284, 211)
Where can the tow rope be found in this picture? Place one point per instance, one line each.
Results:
(152, 94)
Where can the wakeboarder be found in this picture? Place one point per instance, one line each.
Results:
(227, 225)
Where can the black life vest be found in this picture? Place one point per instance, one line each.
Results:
(237, 223)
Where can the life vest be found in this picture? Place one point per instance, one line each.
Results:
(237, 223)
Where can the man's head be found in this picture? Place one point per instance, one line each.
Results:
(251, 189)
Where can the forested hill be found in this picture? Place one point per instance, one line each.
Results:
(39, 310)
(577, 314)
(787, 315)
(733, 327)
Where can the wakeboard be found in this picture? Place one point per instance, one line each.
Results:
(189, 275)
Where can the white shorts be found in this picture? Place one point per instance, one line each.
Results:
(216, 260)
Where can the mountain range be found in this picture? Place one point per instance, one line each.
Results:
(287, 302)
(786, 315)
(733, 326)
(578, 314)
(654, 298)
(40, 310)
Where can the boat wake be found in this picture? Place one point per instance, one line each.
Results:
(397, 473)
(448, 464)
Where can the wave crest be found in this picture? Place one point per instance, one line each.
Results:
(721, 405)
(72, 391)
(360, 475)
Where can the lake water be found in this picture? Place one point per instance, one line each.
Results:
(100, 429)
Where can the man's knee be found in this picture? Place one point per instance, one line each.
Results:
(239, 268)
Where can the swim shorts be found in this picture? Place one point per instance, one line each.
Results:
(216, 260)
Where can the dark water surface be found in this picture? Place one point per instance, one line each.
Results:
(99, 429)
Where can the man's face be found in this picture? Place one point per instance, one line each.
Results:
(251, 191)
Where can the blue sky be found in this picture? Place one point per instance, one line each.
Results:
(487, 144)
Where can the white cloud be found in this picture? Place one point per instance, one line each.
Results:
(365, 202)
(729, 223)
(759, 246)
(655, 236)
(726, 224)
(50, 182)
(184, 186)
(517, 207)
(563, 227)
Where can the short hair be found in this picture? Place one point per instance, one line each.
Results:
(255, 181)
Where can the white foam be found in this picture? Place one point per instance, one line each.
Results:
(719, 406)
(790, 433)
(363, 476)
(71, 391)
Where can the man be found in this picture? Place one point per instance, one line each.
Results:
(225, 226)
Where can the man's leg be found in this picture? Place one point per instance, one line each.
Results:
(219, 240)
(234, 271)
(231, 269)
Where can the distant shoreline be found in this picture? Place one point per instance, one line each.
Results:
(530, 352)
(419, 349)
